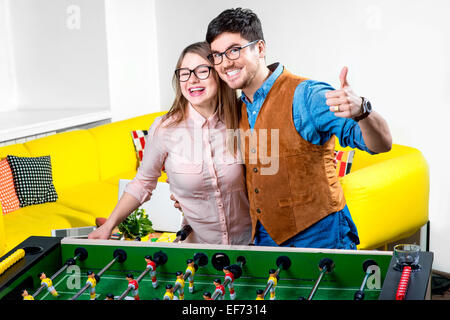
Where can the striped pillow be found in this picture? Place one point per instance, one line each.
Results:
(139, 142)
(344, 161)
(8, 196)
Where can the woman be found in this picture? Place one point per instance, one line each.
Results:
(192, 142)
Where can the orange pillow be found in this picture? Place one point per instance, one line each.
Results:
(8, 196)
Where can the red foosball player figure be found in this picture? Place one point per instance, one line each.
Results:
(133, 284)
(92, 284)
(220, 289)
(230, 276)
(190, 271)
(207, 295)
(48, 283)
(272, 279)
(169, 293)
(259, 294)
(152, 266)
(26, 295)
(180, 282)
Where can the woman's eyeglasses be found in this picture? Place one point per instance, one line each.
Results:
(201, 72)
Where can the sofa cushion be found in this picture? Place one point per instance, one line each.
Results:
(39, 220)
(33, 179)
(14, 149)
(74, 157)
(96, 198)
(114, 142)
(8, 197)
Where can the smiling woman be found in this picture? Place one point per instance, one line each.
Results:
(209, 182)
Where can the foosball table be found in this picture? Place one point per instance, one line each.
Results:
(52, 268)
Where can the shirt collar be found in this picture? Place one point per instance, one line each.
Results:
(276, 69)
(200, 120)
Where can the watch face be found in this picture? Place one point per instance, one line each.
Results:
(368, 106)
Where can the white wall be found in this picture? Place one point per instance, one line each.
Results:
(397, 53)
(6, 72)
(133, 58)
(59, 50)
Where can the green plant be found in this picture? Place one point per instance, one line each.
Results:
(137, 224)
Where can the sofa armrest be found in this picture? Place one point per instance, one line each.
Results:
(388, 200)
(2, 233)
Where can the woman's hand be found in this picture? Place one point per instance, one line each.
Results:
(103, 232)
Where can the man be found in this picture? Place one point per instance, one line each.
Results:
(301, 203)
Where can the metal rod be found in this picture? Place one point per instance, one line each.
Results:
(215, 295)
(316, 285)
(368, 273)
(270, 285)
(79, 293)
(57, 273)
(125, 293)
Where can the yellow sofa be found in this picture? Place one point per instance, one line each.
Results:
(86, 167)
(387, 194)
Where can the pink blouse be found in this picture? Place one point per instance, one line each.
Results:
(207, 180)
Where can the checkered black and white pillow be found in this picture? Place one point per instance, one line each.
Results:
(33, 179)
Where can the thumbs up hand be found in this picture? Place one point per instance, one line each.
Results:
(344, 102)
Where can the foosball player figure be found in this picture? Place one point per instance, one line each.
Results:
(48, 283)
(92, 284)
(134, 285)
(180, 281)
(190, 270)
(169, 293)
(26, 295)
(152, 266)
(259, 294)
(272, 279)
(207, 295)
(220, 289)
(109, 296)
(230, 276)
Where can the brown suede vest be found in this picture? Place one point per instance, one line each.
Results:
(304, 188)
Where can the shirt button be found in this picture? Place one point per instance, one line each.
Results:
(253, 150)
(220, 205)
(255, 169)
(256, 190)
(254, 112)
(258, 210)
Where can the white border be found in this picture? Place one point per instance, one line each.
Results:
(148, 244)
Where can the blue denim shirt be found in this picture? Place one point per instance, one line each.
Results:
(315, 123)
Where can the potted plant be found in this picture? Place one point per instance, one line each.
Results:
(136, 226)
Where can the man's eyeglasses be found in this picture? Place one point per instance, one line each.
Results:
(201, 72)
(232, 53)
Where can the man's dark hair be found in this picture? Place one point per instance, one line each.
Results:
(242, 21)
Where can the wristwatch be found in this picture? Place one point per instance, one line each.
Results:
(366, 107)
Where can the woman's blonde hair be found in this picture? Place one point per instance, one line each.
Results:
(226, 100)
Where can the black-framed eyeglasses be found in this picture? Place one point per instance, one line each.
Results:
(232, 53)
(201, 72)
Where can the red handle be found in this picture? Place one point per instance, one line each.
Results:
(403, 284)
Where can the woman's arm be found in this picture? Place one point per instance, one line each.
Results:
(126, 205)
(140, 189)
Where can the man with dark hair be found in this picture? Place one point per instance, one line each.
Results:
(302, 203)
